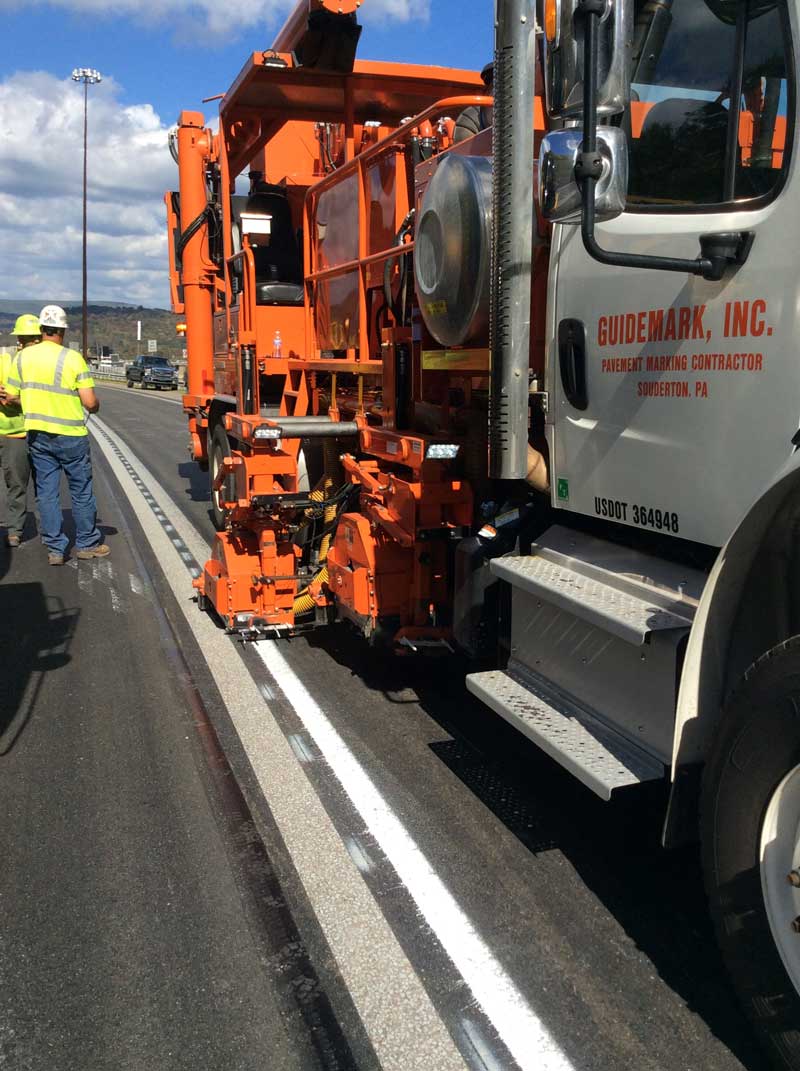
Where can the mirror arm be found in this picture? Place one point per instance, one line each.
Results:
(589, 169)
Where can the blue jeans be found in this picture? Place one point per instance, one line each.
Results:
(50, 456)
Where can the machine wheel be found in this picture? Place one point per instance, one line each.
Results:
(158, 386)
(220, 448)
(750, 825)
(129, 383)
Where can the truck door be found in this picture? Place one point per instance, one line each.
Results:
(675, 398)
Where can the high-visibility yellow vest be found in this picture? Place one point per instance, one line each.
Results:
(11, 425)
(47, 377)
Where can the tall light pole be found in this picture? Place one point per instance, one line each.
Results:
(89, 77)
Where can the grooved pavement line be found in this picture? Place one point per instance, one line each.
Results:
(398, 1016)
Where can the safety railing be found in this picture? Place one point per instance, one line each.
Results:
(119, 376)
(359, 166)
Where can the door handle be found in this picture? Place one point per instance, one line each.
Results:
(572, 362)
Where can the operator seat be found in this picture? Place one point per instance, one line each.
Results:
(680, 155)
(279, 274)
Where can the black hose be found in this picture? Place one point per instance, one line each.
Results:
(192, 230)
(398, 307)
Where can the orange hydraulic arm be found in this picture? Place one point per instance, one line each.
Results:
(294, 29)
(198, 271)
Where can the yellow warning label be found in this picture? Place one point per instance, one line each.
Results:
(436, 308)
(455, 360)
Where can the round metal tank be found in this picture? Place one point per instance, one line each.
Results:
(452, 250)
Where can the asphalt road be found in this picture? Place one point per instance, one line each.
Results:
(142, 926)
(136, 924)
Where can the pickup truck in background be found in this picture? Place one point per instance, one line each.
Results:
(150, 370)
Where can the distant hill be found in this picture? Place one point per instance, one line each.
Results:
(113, 326)
(26, 304)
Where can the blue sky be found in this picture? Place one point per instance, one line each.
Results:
(152, 70)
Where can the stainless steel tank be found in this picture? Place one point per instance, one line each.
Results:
(452, 250)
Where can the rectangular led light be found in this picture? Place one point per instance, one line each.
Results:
(441, 451)
(264, 431)
(256, 224)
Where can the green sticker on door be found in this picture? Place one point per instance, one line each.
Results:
(563, 490)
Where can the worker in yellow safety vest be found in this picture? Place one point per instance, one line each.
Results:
(55, 386)
(14, 463)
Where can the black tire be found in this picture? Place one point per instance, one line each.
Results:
(158, 386)
(757, 744)
(129, 383)
(220, 448)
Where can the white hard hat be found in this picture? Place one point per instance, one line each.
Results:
(53, 316)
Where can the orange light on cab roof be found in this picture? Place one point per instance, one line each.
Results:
(552, 22)
(180, 329)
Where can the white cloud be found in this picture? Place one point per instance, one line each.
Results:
(41, 182)
(212, 16)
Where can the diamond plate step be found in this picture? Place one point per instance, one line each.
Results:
(618, 612)
(592, 752)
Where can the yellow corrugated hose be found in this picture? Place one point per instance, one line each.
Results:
(304, 602)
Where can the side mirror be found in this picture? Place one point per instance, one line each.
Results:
(560, 196)
(564, 34)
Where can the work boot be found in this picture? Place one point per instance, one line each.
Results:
(55, 559)
(12, 540)
(102, 550)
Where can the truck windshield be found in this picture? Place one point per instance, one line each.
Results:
(157, 361)
(693, 64)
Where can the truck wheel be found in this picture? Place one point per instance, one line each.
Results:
(220, 448)
(129, 383)
(750, 828)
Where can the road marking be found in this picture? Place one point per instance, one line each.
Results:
(517, 1025)
(519, 1028)
(397, 1014)
(85, 582)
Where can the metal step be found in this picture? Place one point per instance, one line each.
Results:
(595, 754)
(589, 593)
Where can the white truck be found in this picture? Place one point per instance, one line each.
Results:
(656, 622)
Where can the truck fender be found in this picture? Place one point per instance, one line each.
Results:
(736, 621)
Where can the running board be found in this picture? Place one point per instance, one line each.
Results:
(588, 593)
(597, 755)
(597, 635)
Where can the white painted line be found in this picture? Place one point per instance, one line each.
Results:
(116, 602)
(398, 1015)
(359, 855)
(300, 747)
(517, 1025)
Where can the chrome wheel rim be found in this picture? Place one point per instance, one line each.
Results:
(780, 868)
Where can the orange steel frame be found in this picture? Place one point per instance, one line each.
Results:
(252, 577)
(358, 166)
